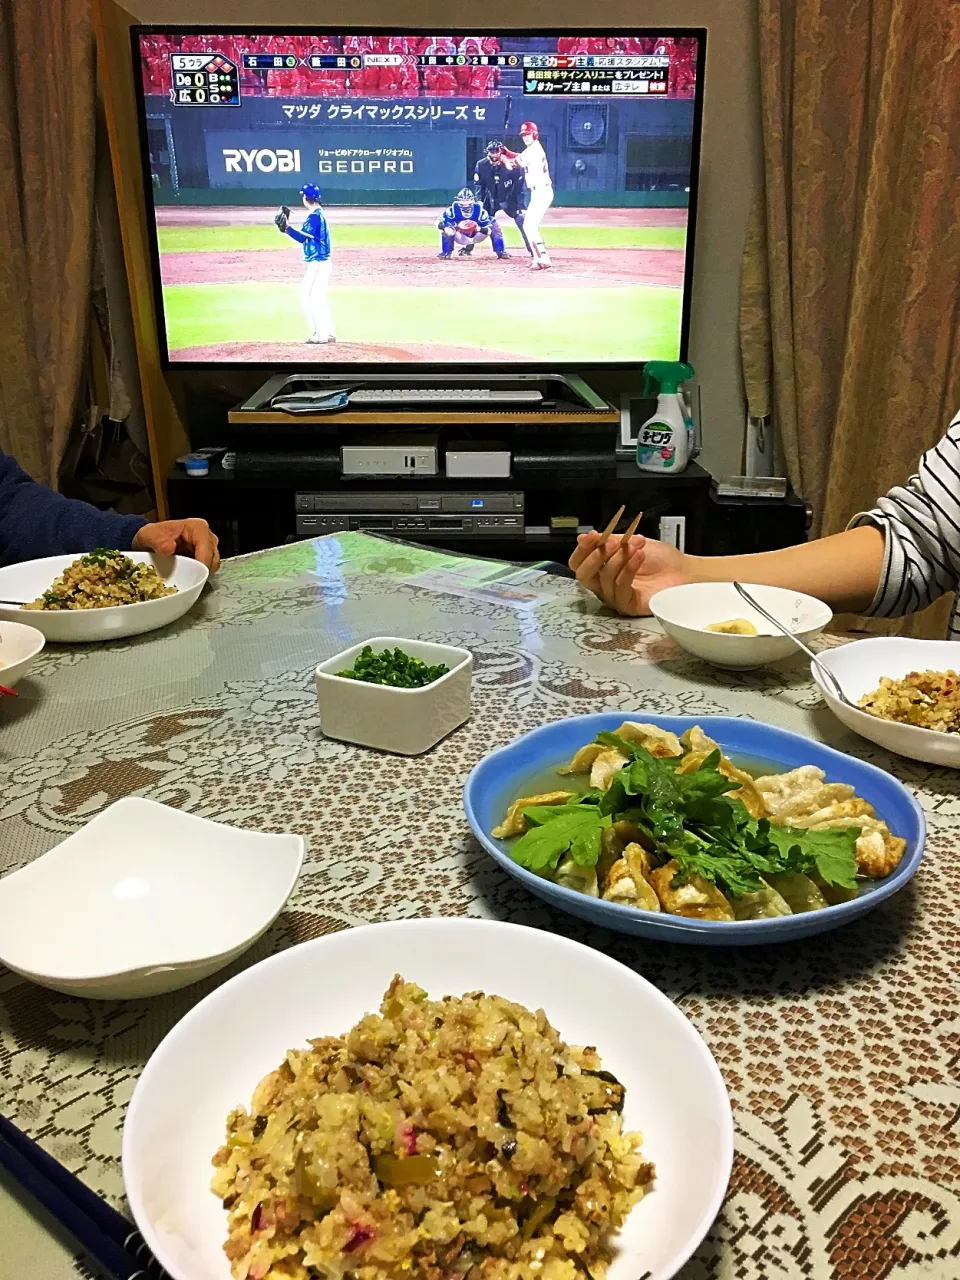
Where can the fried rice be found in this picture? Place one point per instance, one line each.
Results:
(929, 699)
(101, 579)
(438, 1139)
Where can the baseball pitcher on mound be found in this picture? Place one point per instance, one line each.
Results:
(314, 237)
(466, 223)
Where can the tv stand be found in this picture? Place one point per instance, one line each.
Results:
(566, 398)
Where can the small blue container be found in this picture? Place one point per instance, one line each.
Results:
(196, 464)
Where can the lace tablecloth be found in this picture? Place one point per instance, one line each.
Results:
(840, 1053)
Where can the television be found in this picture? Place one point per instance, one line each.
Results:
(341, 199)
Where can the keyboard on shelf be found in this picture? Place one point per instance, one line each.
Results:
(443, 395)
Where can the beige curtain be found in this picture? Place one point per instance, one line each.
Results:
(852, 267)
(47, 129)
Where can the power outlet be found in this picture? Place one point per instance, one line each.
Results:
(673, 531)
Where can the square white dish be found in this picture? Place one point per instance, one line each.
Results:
(406, 722)
(143, 899)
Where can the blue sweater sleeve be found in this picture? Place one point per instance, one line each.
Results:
(36, 522)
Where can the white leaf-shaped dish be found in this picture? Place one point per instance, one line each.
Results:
(144, 899)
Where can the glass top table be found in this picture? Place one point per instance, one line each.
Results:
(840, 1053)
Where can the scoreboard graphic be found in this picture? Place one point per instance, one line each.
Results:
(211, 79)
(204, 80)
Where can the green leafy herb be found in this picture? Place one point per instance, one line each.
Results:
(573, 829)
(393, 667)
(832, 855)
(102, 556)
(690, 817)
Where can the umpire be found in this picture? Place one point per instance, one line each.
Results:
(498, 187)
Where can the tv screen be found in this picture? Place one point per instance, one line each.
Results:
(341, 198)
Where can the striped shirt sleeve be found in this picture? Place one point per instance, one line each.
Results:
(920, 522)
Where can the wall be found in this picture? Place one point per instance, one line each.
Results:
(730, 163)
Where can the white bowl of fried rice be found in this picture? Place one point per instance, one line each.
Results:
(517, 1096)
(100, 595)
(908, 691)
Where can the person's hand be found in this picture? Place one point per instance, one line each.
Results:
(192, 538)
(625, 577)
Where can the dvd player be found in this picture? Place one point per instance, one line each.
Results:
(479, 514)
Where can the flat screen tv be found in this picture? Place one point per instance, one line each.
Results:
(342, 199)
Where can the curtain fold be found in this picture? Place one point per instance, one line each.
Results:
(47, 139)
(860, 242)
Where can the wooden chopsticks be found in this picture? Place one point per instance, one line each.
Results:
(628, 533)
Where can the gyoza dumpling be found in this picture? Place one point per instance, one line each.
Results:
(629, 832)
(800, 892)
(514, 824)
(573, 876)
(699, 748)
(639, 860)
(583, 760)
(659, 742)
(789, 783)
(612, 844)
(698, 899)
(621, 886)
(762, 905)
(605, 767)
(834, 893)
(696, 740)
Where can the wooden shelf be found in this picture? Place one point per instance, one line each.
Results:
(382, 419)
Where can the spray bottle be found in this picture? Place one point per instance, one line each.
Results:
(664, 442)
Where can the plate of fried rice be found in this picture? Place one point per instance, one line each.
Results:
(907, 691)
(102, 594)
(437, 1098)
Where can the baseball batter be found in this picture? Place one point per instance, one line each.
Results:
(314, 237)
(533, 162)
(466, 223)
(499, 188)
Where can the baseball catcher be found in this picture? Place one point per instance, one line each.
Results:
(466, 223)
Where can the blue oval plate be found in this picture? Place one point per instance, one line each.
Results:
(499, 778)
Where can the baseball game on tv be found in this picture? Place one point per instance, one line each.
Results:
(448, 199)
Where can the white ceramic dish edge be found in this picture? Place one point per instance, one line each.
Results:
(159, 964)
(859, 665)
(134, 1167)
(33, 641)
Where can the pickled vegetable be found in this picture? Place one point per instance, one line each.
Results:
(406, 1171)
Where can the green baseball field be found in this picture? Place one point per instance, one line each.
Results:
(231, 282)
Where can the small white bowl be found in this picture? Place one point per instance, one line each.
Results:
(29, 580)
(19, 645)
(685, 612)
(675, 1094)
(404, 721)
(144, 899)
(859, 666)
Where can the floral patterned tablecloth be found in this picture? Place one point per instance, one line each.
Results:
(840, 1053)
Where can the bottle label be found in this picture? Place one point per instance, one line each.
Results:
(655, 437)
(663, 459)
